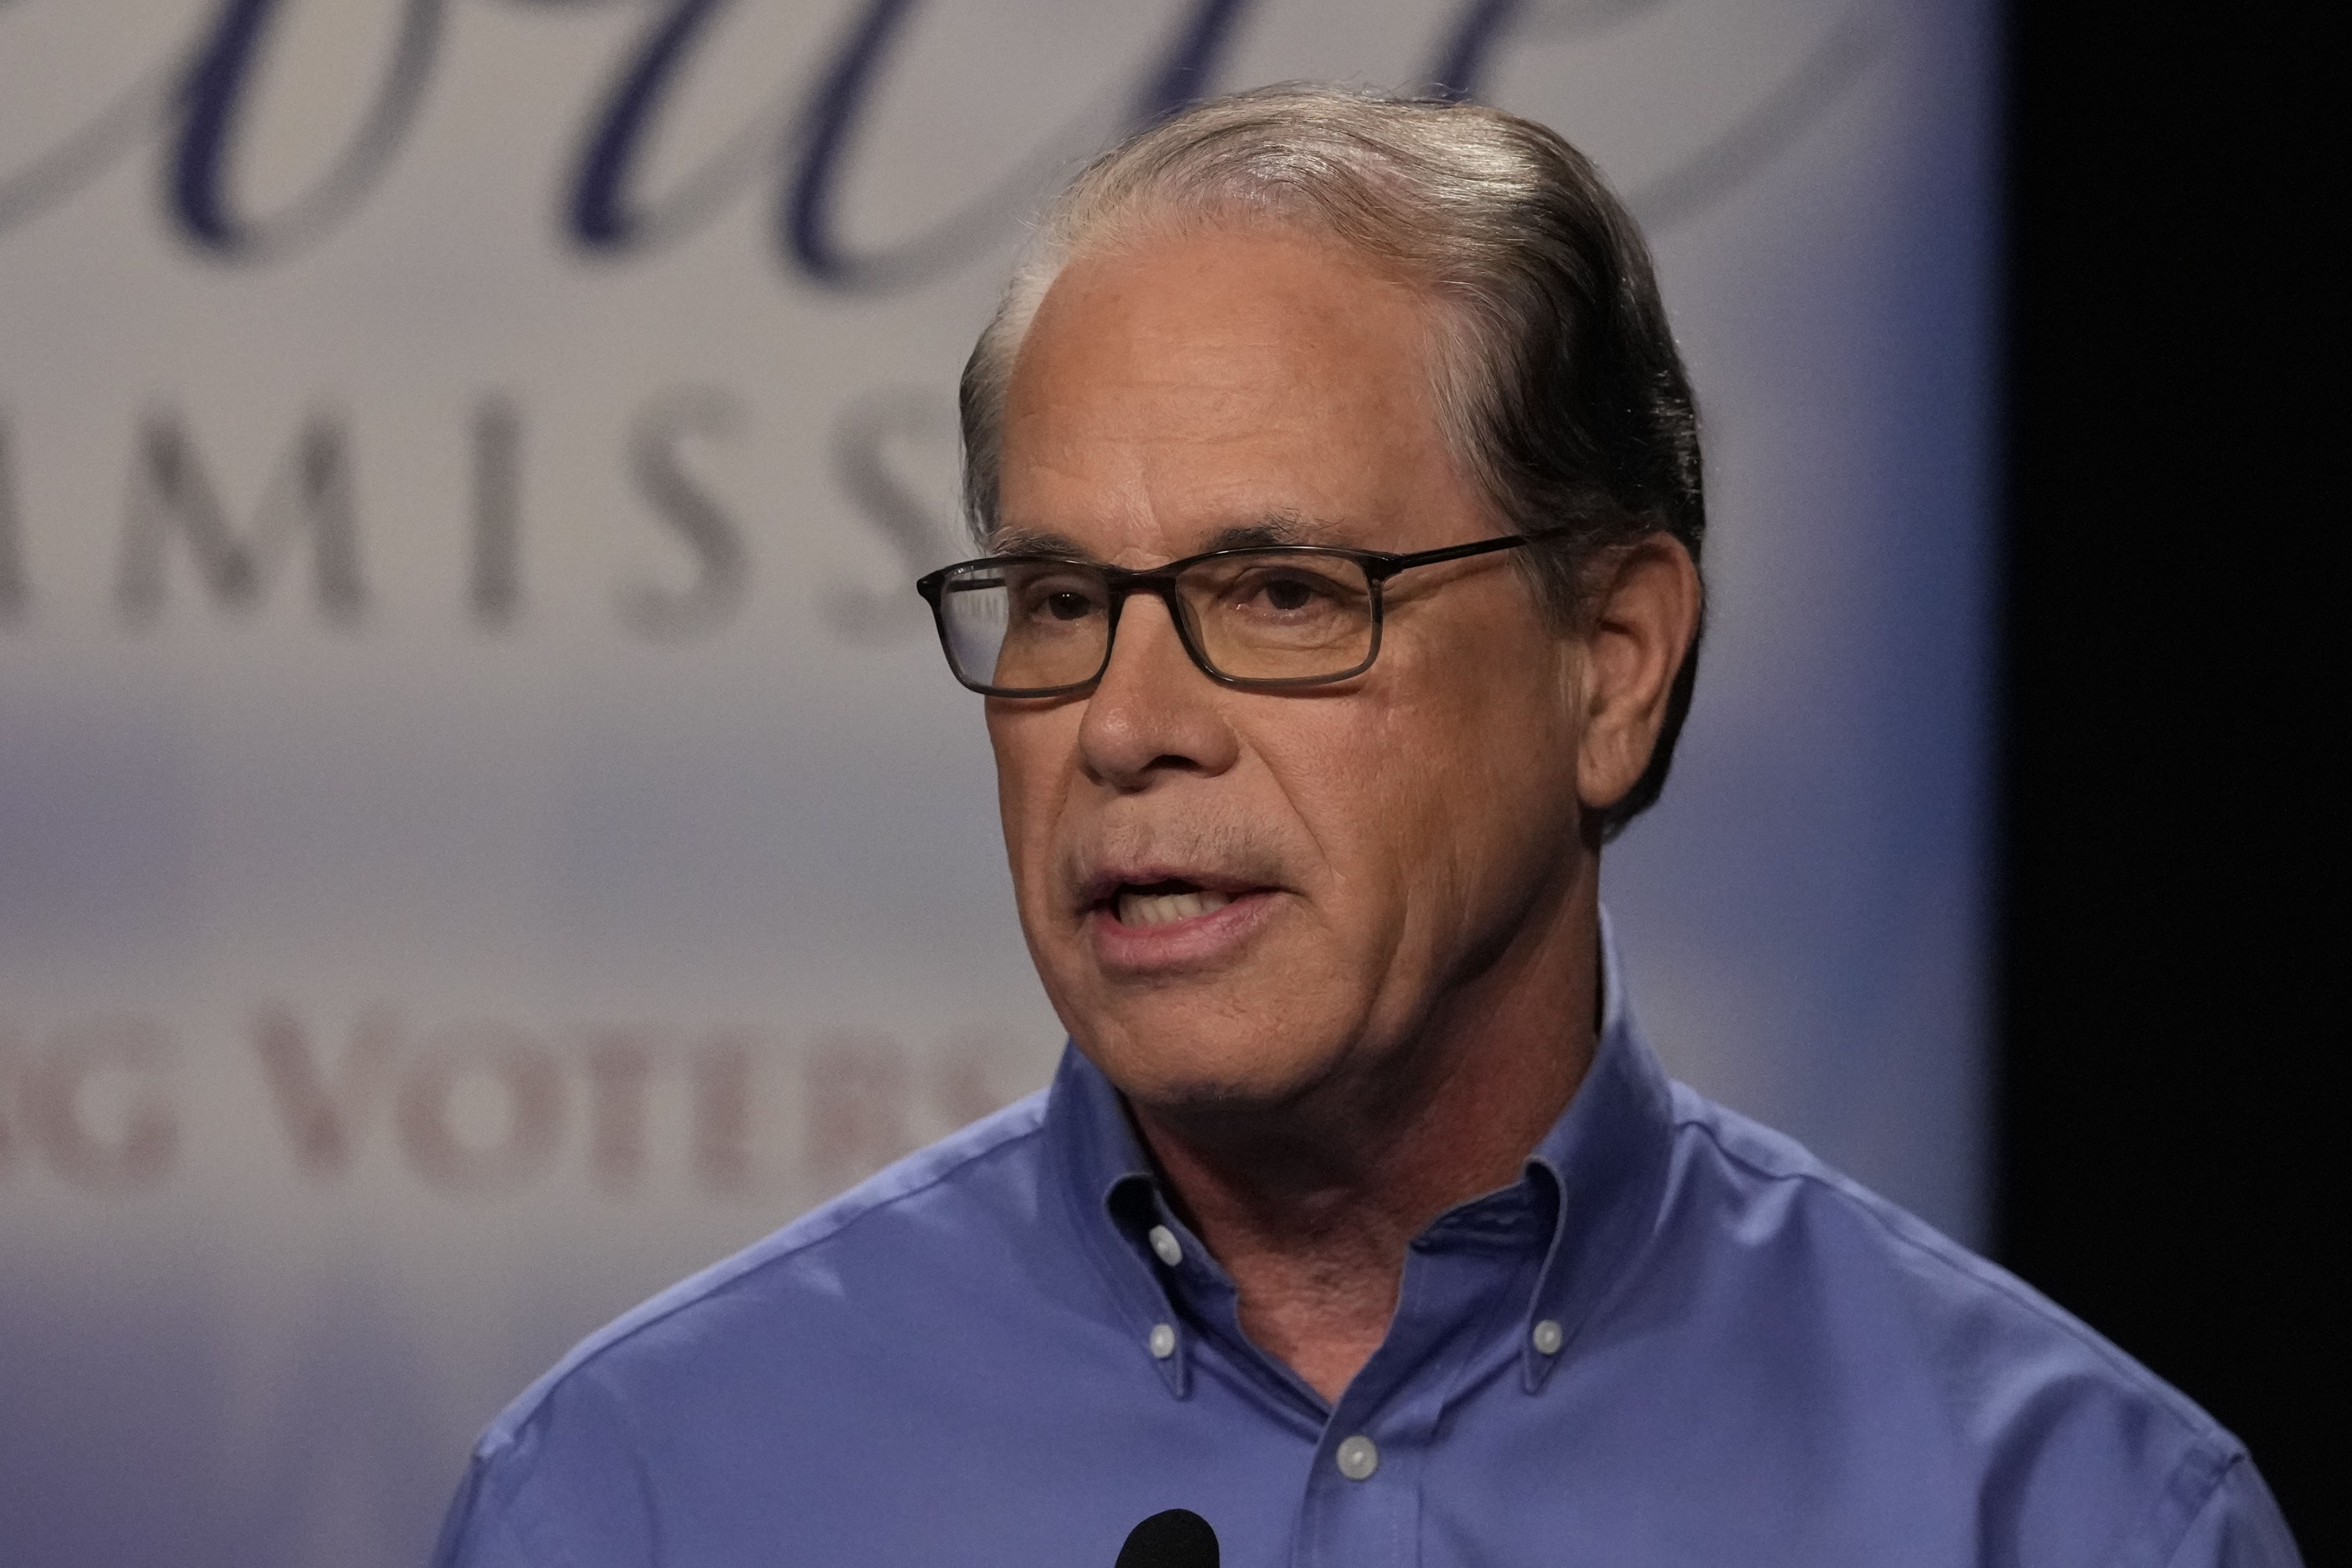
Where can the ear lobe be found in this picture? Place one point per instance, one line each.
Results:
(1641, 633)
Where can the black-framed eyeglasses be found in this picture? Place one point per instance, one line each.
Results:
(1268, 617)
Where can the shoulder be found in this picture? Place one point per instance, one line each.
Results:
(1796, 1211)
(783, 1377)
(930, 1215)
(2061, 1438)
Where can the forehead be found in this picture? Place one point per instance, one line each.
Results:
(1171, 390)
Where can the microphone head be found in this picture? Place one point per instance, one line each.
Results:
(1176, 1539)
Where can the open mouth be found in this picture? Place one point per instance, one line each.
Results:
(1143, 904)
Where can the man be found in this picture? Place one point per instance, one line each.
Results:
(1340, 487)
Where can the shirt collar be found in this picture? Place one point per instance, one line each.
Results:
(1607, 1158)
(1595, 1179)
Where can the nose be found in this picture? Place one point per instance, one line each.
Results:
(1153, 714)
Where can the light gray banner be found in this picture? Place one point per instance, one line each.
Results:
(484, 827)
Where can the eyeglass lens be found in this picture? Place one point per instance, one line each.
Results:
(1287, 615)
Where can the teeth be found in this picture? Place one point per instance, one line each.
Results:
(1160, 908)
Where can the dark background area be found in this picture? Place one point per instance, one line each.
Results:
(2164, 1032)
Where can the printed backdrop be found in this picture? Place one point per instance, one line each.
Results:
(484, 827)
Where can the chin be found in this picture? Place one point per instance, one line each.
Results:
(1177, 1064)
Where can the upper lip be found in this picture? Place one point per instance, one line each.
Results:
(1102, 885)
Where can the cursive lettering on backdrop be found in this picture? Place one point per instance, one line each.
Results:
(193, 105)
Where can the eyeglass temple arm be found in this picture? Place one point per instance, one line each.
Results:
(1393, 564)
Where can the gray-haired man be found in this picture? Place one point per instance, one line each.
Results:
(1339, 484)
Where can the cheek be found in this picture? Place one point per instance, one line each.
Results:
(1032, 772)
(1477, 776)
(1369, 778)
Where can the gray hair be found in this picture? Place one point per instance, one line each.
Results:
(1552, 369)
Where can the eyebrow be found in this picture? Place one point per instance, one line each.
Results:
(1023, 541)
(1284, 528)
(1274, 529)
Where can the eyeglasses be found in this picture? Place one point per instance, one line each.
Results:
(1263, 617)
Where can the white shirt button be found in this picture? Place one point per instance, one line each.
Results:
(1162, 1342)
(1358, 1458)
(1548, 1337)
(1164, 1242)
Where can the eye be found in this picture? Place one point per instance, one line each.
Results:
(1288, 592)
(1056, 597)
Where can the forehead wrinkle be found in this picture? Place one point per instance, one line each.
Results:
(1286, 527)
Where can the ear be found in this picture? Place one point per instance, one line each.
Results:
(1641, 630)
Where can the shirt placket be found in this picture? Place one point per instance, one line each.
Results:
(1363, 1496)
(1467, 1290)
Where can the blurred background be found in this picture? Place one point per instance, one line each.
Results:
(485, 829)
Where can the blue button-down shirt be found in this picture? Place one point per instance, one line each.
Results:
(1678, 1339)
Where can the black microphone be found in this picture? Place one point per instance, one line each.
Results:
(1176, 1539)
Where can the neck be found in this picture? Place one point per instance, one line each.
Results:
(1311, 1206)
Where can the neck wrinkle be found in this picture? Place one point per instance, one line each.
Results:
(1311, 1209)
